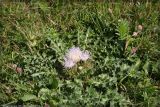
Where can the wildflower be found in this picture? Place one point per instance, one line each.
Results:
(85, 55)
(134, 50)
(140, 27)
(135, 34)
(19, 70)
(68, 63)
(74, 54)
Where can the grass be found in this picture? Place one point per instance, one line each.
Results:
(123, 69)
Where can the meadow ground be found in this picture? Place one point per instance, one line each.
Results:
(84, 54)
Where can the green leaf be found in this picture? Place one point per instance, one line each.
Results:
(44, 93)
(38, 74)
(28, 97)
(53, 83)
(3, 96)
(134, 68)
(53, 103)
(123, 29)
(146, 67)
(21, 87)
(43, 6)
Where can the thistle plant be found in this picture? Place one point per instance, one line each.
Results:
(120, 69)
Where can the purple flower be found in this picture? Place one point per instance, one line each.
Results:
(85, 55)
(74, 54)
(68, 63)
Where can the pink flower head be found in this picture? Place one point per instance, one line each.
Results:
(134, 50)
(68, 63)
(19, 70)
(85, 55)
(74, 54)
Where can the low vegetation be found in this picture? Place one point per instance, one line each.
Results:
(122, 41)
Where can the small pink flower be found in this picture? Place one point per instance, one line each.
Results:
(19, 70)
(69, 63)
(85, 55)
(74, 54)
(134, 50)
